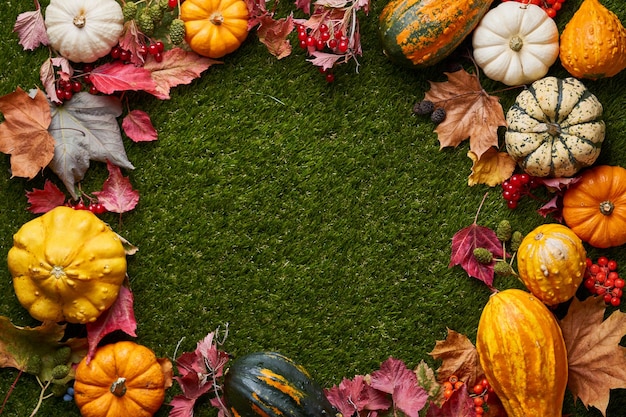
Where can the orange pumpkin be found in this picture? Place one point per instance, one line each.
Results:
(122, 379)
(214, 28)
(595, 206)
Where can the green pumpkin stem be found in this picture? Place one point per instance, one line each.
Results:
(118, 388)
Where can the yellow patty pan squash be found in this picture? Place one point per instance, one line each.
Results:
(67, 265)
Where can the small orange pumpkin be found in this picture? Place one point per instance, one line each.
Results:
(122, 379)
(595, 206)
(214, 28)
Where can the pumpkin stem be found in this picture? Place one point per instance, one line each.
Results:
(554, 129)
(606, 208)
(118, 388)
(516, 43)
(217, 18)
(79, 20)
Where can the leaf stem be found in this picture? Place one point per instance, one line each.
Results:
(480, 207)
(13, 385)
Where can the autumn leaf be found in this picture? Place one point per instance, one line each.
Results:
(273, 34)
(86, 128)
(459, 357)
(470, 112)
(33, 349)
(31, 29)
(117, 76)
(427, 379)
(177, 67)
(120, 316)
(492, 169)
(596, 360)
(463, 244)
(396, 379)
(117, 195)
(356, 395)
(460, 404)
(24, 133)
(44, 200)
(138, 126)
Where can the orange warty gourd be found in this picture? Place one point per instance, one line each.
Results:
(214, 28)
(123, 379)
(593, 43)
(67, 265)
(521, 349)
(595, 206)
(551, 262)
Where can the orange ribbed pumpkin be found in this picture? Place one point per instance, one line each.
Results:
(521, 349)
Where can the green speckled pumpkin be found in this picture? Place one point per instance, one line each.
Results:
(554, 128)
(420, 33)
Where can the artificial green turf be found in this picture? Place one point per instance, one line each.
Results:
(315, 219)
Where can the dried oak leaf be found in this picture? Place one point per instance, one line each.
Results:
(470, 112)
(24, 133)
(459, 357)
(597, 362)
(491, 169)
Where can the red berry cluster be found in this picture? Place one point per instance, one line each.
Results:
(601, 278)
(551, 7)
(92, 206)
(155, 49)
(479, 393)
(172, 3)
(323, 39)
(516, 187)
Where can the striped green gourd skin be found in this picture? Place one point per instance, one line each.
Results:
(421, 33)
(555, 128)
(268, 384)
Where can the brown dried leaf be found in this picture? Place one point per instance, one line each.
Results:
(491, 169)
(459, 358)
(597, 363)
(470, 112)
(24, 133)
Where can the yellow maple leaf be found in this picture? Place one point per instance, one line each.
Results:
(492, 168)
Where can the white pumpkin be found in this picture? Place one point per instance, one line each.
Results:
(84, 30)
(515, 43)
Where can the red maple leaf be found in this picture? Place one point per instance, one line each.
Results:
(395, 378)
(117, 76)
(357, 395)
(120, 316)
(44, 200)
(117, 195)
(138, 126)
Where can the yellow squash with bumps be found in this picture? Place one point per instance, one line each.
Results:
(67, 265)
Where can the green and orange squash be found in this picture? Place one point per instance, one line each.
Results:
(421, 33)
(268, 384)
(522, 351)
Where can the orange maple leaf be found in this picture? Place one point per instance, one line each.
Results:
(459, 357)
(470, 112)
(24, 133)
(597, 363)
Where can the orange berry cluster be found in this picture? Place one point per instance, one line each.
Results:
(479, 392)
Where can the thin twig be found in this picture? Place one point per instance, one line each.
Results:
(13, 385)
(42, 395)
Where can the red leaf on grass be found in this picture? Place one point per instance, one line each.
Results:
(177, 67)
(356, 395)
(120, 316)
(44, 200)
(31, 29)
(463, 244)
(117, 195)
(117, 76)
(138, 126)
(396, 379)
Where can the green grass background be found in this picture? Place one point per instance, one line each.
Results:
(316, 219)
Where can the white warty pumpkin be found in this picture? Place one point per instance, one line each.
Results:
(83, 30)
